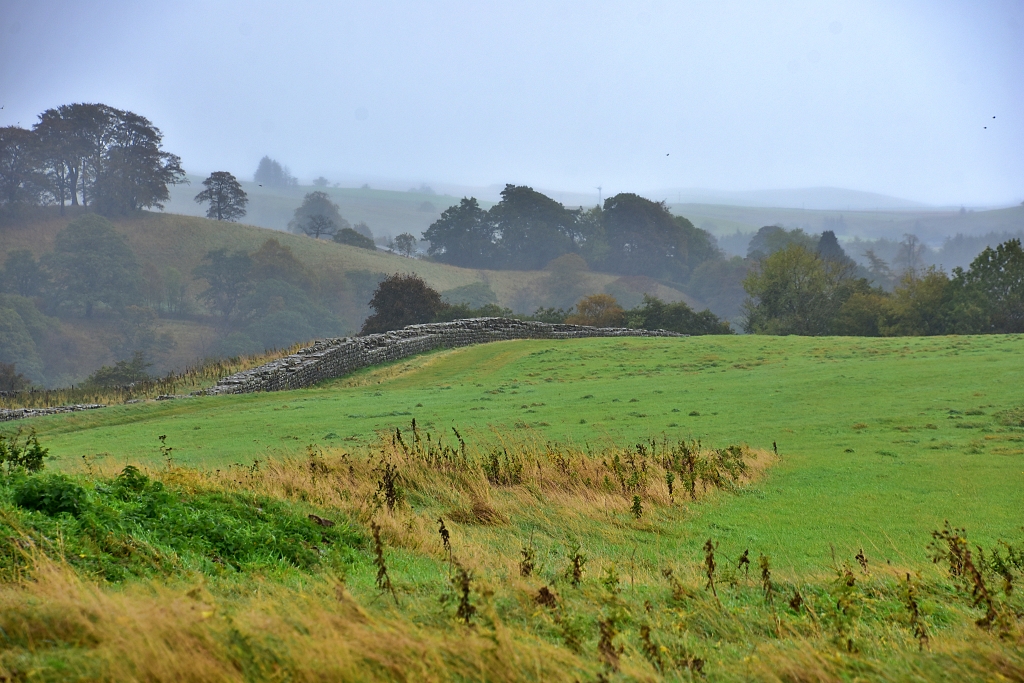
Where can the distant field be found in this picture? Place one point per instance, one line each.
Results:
(881, 439)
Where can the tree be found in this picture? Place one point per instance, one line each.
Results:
(795, 291)
(273, 174)
(92, 266)
(991, 291)
(598, 310)
(655, 314)
(59, 153)
(227, 198)
(22, 274)
(462, 236)
(135, 171)
(317, 216)
(404, 244)
(20, 182)
(534, 228)
(274, 261)
(830, 249)
(122, 373)
(918, 306)
(773, 238)
(352, 238)
(228, 277)
(644, 238)
(402, 300)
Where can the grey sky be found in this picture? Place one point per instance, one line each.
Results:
(887, 97)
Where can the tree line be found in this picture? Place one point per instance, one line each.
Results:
(90, 155)
(526, 230)
(796, 289)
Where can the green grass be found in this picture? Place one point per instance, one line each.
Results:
(878, 442)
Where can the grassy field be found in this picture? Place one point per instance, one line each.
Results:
(879, 442)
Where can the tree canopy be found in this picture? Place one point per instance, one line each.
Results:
(92, 266)
(272, 174)
(317, 216)
(226, 197)
(109, 157)
(526, 230)
(402, 300)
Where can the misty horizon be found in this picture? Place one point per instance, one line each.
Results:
(917, 102)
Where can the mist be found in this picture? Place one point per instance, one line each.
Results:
(919, 101)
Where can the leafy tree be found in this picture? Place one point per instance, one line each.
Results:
(989, 296)
(321, 182)
(404, 244)
(919, 306)
(59, 152)
(795, 291)
(22, 274)
(122, 373)
(228, 277)
(92, 266)
(773, 238)
(135, 171)
(655, 314)
(16, 344)
(363, 229)
(20, 181)
(598, 310)
(273, 174)
(274, 261)
(226, 197)
(830, 249)
(317, 216)
(278, 314)
(910, 256)
(352, 238)
(644, 238)
(402, 300)
(718, 283)
(534, 228)
(462, 236)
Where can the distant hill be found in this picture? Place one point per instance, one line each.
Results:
(387, 212)
(818, 198)
(163, 241)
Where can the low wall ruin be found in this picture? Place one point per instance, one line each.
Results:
(330, 358)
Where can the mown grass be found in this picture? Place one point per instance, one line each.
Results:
(879, 442)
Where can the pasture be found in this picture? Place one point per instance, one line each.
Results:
(879, 442)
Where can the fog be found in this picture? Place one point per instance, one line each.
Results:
(920, 100)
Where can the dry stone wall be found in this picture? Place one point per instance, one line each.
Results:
(329, 358)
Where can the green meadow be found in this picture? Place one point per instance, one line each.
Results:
(880, 439)
(578, 510)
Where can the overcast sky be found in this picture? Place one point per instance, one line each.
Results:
(889, 97)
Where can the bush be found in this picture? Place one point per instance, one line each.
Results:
(352, 238)
(26, 456)
(52, 494)
(655, 314)
(598, 310)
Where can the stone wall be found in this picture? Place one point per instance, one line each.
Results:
(330, 358)
(21, 413)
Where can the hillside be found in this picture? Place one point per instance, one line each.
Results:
(386, 212)
(344, 279)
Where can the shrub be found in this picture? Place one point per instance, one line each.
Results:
(51, 494)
